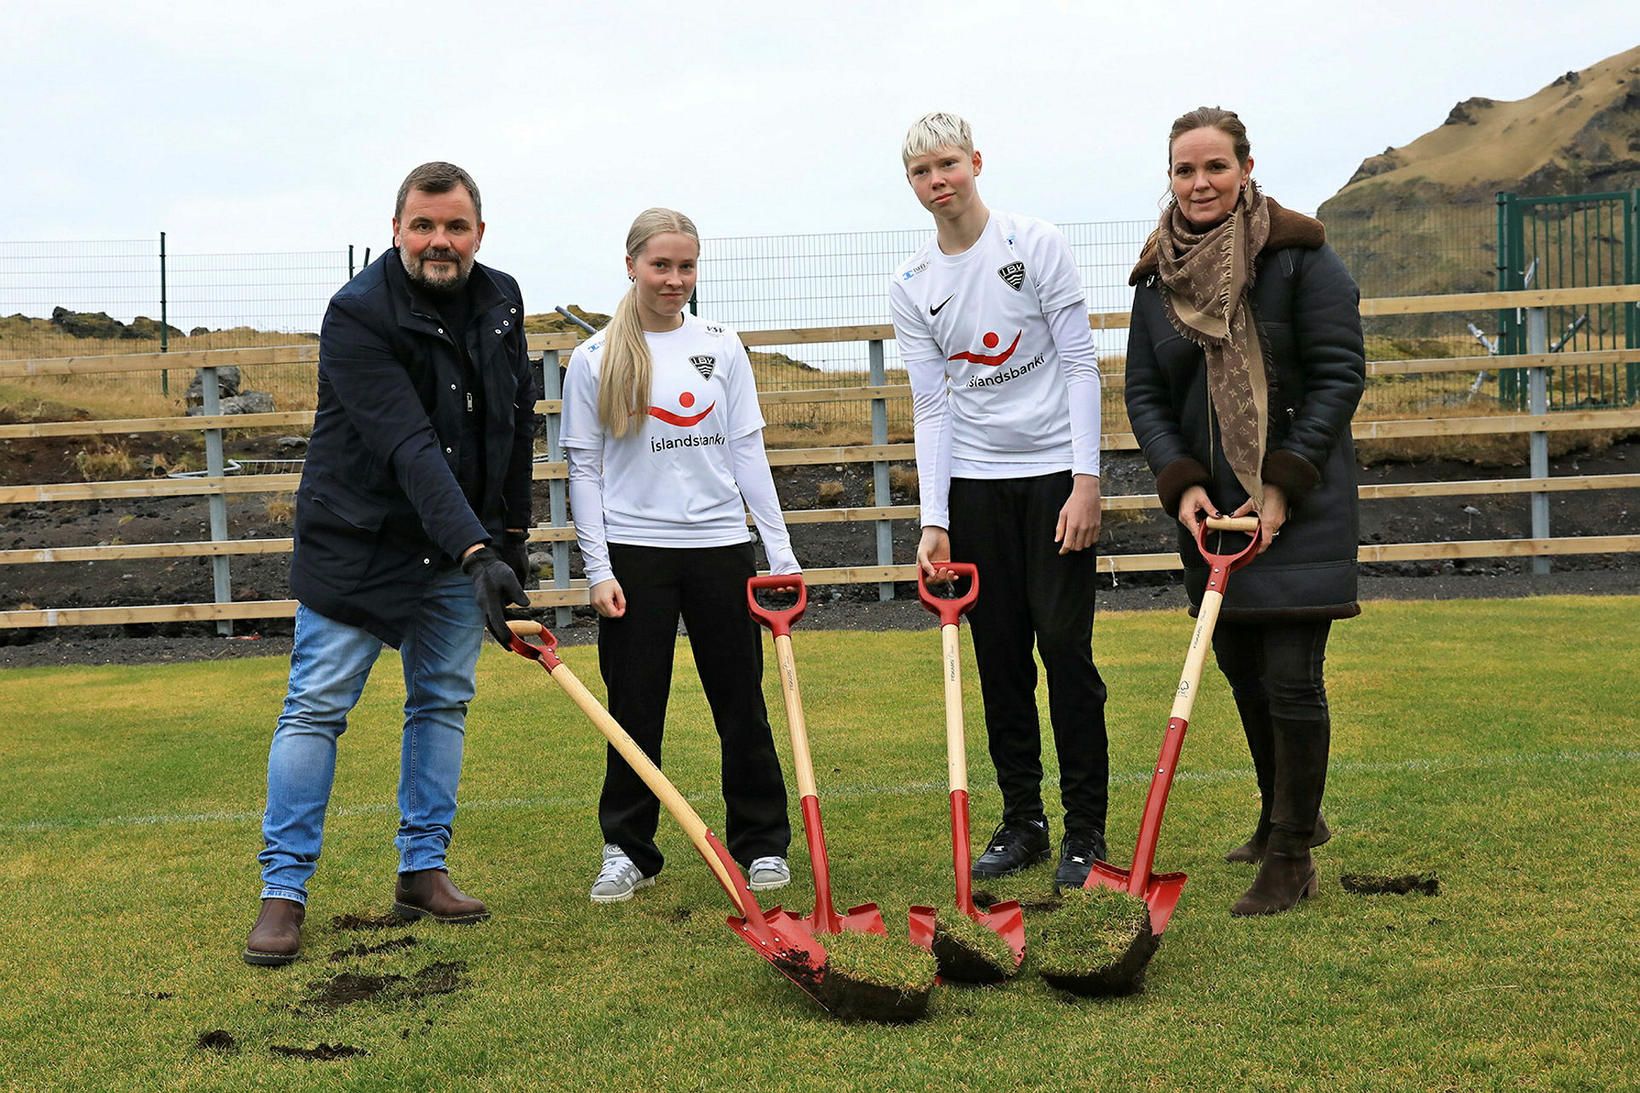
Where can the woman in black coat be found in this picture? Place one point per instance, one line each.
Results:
(1245, 363)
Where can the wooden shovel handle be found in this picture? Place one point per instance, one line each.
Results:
(956, 747)
(802, 762)
(1232, 523)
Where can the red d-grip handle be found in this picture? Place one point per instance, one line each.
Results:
(1220, 566)
(544, 650)
(953, 608)
(778, 622)
(1236, 559)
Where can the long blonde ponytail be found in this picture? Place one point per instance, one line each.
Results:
(624, 378)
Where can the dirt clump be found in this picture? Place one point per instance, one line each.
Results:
(365, 922)
(219, 1040)
(345, 988)
(362, 949)
(1366, 884)
(323, 1053)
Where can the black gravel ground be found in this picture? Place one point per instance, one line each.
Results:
(87, 645)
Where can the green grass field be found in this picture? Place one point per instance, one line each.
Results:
(1492, 742)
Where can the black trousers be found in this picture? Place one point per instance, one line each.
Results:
(707, 588)
(1276, 666)
(1029, 595)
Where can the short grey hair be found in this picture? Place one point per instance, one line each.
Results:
(438, 177)
(931, 132)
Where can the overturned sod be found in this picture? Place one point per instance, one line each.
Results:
(875, 977)
(971, 952)
(1097, 943)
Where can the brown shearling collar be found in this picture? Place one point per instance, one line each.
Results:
(1287, 229)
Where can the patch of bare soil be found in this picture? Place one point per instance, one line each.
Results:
(364, 922)
(362, 949)
(257, 577)
(324, 1053)
(344, 988)
(1364, 884)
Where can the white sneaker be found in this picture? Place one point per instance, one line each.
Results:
(618, 878)
(768, 873)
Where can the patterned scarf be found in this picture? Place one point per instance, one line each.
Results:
(1205, 278)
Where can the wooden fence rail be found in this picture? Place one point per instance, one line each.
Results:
(559, 532)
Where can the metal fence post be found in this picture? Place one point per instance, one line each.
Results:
(164, 321)
(1632, 310)
(218, 502)
(1537, 381)
(557, 488)
(879, 468)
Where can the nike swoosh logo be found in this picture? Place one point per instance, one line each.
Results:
(678, 419)
(948, 299)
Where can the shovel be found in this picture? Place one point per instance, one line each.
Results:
(865, 919)
(782, 940)
(1160, 891)
(1005, 919)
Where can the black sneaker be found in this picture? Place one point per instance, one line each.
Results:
(1077, 853)
(1013, 847)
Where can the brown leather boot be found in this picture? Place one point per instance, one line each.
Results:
(277, 936)
(1283, 880)
(429, 893)
(1287, 874)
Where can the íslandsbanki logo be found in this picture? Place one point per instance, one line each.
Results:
(668, 443)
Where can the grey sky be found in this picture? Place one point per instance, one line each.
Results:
(289, 126)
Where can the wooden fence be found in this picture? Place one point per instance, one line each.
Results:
(557, 531)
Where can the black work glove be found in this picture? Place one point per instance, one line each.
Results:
(515, 551)
(495, 585)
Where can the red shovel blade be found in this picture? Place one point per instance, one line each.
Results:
(777, 936)
(921, 927)
(1162, 890)
(864, 919)
(785, 942)
(1008, 920)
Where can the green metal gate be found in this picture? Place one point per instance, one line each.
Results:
(1572, 241)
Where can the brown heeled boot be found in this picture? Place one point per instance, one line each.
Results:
(1287, 874)
(1283, 880)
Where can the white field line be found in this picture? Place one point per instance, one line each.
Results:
(843, 792)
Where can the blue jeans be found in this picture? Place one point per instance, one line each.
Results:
(329, 664)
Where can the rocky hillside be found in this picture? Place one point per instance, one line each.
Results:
(1421, 217)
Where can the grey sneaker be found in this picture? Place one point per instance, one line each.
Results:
(768, 873)
(618, 878)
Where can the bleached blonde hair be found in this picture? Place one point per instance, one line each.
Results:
(931, 132)
(624, 379)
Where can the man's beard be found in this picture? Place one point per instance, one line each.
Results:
(417, 270)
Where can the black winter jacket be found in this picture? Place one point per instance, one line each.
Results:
(379, 511)
(1309, 321)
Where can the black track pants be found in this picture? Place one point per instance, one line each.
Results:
(707, 587)
(1029, 595)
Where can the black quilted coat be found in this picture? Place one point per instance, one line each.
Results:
(1309, 321)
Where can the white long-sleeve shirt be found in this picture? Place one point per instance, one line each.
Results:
(687, 476)
(1004, 375)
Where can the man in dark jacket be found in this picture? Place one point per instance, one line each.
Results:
(411, 522)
